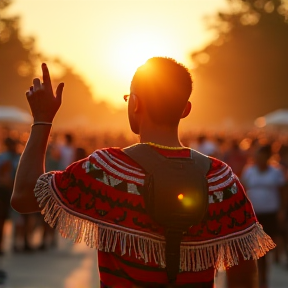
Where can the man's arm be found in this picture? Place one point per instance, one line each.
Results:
(243, 275)
(44, 106)
(30, 167)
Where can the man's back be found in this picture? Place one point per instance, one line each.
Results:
(100, 199)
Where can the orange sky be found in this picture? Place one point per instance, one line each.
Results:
(106, 40)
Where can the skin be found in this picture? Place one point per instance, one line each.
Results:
(142, 125)
(44, 105)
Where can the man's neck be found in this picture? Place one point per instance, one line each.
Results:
(161, 135)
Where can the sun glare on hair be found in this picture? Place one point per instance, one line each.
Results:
(134, 48)
(131, 46)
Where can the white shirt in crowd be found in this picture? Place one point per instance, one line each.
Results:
(262, 188)
(67, 155)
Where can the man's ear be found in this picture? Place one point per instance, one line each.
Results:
(136, 103)
(187, 110)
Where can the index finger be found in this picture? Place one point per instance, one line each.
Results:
(46, 77)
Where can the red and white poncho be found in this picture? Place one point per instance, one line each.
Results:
(99, 200)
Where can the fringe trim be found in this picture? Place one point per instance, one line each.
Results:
(194, 256)
(224, 253)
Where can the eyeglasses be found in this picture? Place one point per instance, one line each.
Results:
(126, 97)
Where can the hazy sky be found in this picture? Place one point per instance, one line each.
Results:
(106, 40)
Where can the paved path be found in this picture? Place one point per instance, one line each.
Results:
(67, 268)
(75, 266)
(278, 277)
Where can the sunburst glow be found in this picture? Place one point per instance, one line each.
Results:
(106, 40)
(134, 48)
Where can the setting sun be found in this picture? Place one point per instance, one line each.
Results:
(135, 47)
(105, 41)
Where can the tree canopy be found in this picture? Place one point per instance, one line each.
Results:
(243, 73)
(19, 61)
(16, 60)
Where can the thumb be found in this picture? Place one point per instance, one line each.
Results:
(59, 91)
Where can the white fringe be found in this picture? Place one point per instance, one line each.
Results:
(195, 256)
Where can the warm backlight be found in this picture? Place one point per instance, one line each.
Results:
(105, 41)
(180, 196)
(133, 46)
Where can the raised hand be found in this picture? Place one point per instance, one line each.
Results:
(43, 104)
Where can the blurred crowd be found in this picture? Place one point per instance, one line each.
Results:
(259, 158)
(63, 149)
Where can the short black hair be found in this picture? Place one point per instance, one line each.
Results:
(68, 138)
(10, 142)
(266, 150)
(165, 85)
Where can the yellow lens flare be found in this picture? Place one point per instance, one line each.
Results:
(189, 201)
(186, 201)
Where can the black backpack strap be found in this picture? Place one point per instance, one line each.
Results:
(202, 161)
(149, 159)
(145, 156)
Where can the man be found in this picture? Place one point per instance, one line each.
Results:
(100, 198)
(8, 164)
(265, 185)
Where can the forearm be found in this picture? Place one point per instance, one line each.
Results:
(30, 167)
(244, 275)
(44, 106)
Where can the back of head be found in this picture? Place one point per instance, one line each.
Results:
(10, 144)
(164, 86)
(263, 154)
(265, 150)
(68, 138)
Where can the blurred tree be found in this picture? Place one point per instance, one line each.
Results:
(243, 73)
(16, 60)
(19, 62)
(80, 111)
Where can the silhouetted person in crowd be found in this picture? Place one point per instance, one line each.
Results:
(283, 161)
(52, 161)
(8, 164)
(236, 158)
(80, 153)
(102, 198)
(67, 151)
(263, 184)
(206, 146)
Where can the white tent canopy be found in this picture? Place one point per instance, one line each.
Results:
(278, 117)
(11, 114)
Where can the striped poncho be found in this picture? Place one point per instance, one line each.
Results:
(99, 200)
